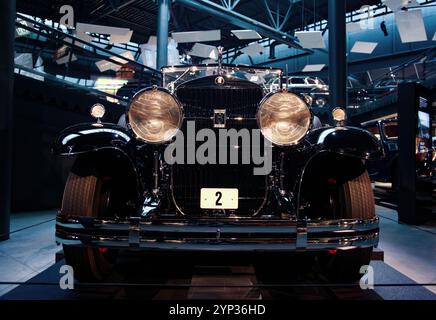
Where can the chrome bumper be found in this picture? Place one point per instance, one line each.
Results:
(218, 235)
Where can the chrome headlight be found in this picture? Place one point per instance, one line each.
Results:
(320, 102)
(284, 118)
(155, 115)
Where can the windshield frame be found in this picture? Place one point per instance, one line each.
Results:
(172, 81)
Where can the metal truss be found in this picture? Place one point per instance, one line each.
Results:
(230, 4)
(115, 6)
(226, 12)
(353, 16)
(274, 17)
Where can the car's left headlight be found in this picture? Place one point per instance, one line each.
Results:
(155, 115)
(284, 118)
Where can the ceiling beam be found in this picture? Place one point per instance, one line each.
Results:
(113, 9)
(129, 23)
(242, 21)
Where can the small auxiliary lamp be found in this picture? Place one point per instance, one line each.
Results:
(98, 111)
(339, 116)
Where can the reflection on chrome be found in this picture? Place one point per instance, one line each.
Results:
(92, 131)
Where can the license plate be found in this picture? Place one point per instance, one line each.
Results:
(219, 198)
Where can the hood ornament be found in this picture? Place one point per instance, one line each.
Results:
(219, 80)
(220, 60)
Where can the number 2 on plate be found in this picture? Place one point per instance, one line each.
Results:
(218, 195)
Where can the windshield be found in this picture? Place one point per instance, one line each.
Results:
(311, 81)
(391, 130)
(319, 81)
(296, 81)
(173, 76)
(374, 130)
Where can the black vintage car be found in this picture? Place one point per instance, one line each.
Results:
(126, 192)
(385, 169)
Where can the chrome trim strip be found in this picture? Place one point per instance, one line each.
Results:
(316, 244)
(255, 234)
(302, 230)
(134, 232)
(207, 225)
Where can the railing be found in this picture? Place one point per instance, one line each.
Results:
(383, 91)
(34, 73)
(422, 67)
(42, 40)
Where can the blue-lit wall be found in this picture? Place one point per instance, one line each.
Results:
(386, 45)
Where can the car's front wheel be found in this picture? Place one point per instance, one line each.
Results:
(88, 196)
(350, 199)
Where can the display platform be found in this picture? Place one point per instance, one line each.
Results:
(180, 280)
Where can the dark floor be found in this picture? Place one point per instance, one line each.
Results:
(409, 253)
(164, 282)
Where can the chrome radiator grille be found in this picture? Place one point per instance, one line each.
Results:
(188, 179)
(239, 98)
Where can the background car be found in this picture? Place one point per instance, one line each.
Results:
(386, 168)
(312, 89)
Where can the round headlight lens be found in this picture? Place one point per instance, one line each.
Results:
(155, 115)
(284, 118)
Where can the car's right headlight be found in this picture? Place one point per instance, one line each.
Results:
(155, 115)
(284, 118)
(320, 102)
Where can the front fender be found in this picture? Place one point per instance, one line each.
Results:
(83, 138)
(349, 141)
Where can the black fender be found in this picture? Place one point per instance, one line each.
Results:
(97, 146)
(90, 137)
(348, 141)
